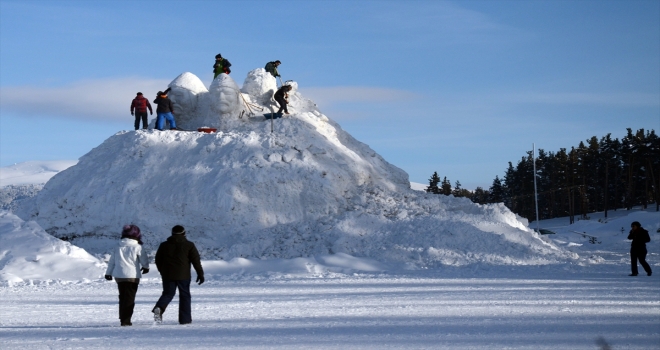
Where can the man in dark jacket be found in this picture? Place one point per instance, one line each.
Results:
(173, 260)
(164, 110)
(281, 98)
(139, 107)
(271, 67)
(639, 237)
(220, 66)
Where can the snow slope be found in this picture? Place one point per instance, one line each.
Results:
(306, 189)
(29, 253)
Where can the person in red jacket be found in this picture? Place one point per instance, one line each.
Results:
(139, 109)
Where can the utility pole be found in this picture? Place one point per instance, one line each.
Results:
(536, 197)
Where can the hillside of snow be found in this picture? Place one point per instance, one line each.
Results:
(27, 253)
(22, 181)
(307, 188)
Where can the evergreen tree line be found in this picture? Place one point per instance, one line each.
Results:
(598, 175)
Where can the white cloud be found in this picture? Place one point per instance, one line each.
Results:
(328, 96)
(586, 98)
(104, 99)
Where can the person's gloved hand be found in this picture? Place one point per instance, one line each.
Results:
(200, 279)
(131, 113)
(145, 270)
(108, 277)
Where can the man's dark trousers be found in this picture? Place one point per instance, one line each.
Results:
(169, 289)
(141, 116)
(127, 291)
(639, 254)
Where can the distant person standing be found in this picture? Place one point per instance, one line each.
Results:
(164, 110)
(139, 109)
(220, 66)
(271, 67)
(127, 264)
(173, 260)
(639, 237)
(280, 96)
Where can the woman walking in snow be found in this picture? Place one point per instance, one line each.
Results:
(127, 264)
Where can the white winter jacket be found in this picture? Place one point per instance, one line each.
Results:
(127, 260)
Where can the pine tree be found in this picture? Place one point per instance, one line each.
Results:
(497, 191)
(446, 187)
(433, 184)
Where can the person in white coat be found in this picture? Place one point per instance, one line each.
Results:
(127, 264)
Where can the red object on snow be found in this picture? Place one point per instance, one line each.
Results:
(207, 130)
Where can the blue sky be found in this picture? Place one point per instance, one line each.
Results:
(457, 87)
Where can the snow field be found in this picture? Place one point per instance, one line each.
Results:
(351, 312)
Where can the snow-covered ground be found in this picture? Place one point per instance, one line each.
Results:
(344, 302)
(515, 309)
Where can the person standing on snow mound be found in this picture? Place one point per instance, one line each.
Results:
(271, 67)
(639, 237)
(164, 110)
(281, 96)
(139, 107)
(220, 66)
(127, 264)
(173, 260)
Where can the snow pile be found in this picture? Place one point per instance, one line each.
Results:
(12, 196)
(29, 253)
(307, 189)
(34, 172)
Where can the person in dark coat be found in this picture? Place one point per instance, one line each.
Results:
(280, 96)
(220, 66)
(139, 109)
(639, 237)
(173, 260)
(127, 264)
(164, 110)
(271, 67)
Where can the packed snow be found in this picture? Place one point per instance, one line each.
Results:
(310, 240)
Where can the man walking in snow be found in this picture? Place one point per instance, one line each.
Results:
(639, 237)
(271, 67)
(139, 109)
(173, 260)
(164, 110)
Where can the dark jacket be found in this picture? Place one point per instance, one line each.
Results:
(282, 93)
(140, 105)
(164, 105)
(639, 238)
(272, 69)
(221, 66)
(174, 257)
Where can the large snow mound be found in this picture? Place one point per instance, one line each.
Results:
(307, 188)
(28, 253)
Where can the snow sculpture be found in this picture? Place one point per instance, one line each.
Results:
(187, 93)
(225, 97)
(261, 85)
